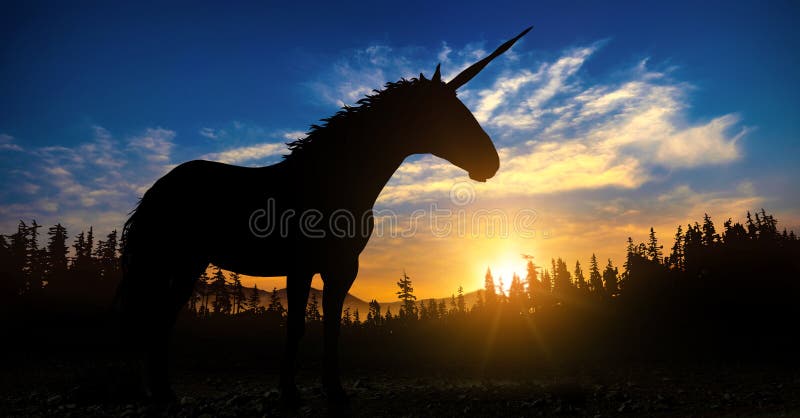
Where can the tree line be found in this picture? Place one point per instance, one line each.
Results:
(743, 273)
(740, 267)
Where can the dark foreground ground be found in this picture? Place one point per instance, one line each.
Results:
(62, 389)
(56, 367)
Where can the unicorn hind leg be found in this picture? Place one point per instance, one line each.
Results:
(150, 297)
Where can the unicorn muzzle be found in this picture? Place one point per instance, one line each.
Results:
(485, 173)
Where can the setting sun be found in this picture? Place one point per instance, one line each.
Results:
(504, 269)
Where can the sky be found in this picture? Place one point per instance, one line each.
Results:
(609, 117)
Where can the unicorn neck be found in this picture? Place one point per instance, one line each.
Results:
(373, 172)
(354, 173)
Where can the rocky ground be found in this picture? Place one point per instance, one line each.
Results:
(639, 391)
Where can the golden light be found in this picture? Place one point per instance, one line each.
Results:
(505, 268)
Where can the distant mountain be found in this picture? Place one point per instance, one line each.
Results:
(469, 300)
(349, 301)
(354, 302)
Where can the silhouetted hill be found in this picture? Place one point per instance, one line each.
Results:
(353, 302)
(350, 301)
(469, 301)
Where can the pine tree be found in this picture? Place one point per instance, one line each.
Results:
(547, 282)
(107, 260)
(461, 305)
(433, 309)
(516, 293)
(18, 250)
(611, 279)
(346, 318)
(312, 309)
(406, 294)
(56, 269)
(561, 277)
(710, 236)
(237, 293)
(676, 253)
(79, 245)
(595, 279)
(388, 318)
(491, 293)
(630, 253)
(204, 289)
(90, 242)
(254, 301)
(275, 306)
(479, 303)
(374, 314)
(35, 261)
(769, 226)
(580, 280)
(752, 230)
(500, 289)
(424, 315)
(8, 292)
(653, 249)
(33, 231)
(532, 281)
(219, 287)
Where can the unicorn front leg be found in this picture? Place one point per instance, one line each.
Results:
(297, 288)
(337, 283)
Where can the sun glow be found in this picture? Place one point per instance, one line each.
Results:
(505, 268)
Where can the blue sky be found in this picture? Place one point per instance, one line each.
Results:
(646, 113)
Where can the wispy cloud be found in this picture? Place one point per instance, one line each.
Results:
(154, 144)
(94, 182)
(363, 70)
(246, 154)
(7, 143)
(556, 133)
(240, 142)
(293, 135)
(211, 133)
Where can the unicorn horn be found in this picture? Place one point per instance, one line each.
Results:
(474, 69)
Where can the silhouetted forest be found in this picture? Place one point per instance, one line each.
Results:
(710, 304)
(729, 291)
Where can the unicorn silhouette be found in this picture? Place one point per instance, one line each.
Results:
(212, 212)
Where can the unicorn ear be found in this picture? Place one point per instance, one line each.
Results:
(437, 75)
(422, 77)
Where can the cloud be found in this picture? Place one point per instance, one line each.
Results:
(212, 133)
(701, 145)
(293, 135)
(248, 153)
(94, 182)
(555, 132)
(366, 69)
(7, 143)
(97, 181)
(154, 144)
(241, 142)
(444, 53)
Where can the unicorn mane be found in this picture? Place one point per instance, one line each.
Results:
(322, 135)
